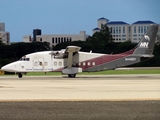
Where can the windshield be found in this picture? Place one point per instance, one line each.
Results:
(24, 59)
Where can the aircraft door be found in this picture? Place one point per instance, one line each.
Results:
(38, 64)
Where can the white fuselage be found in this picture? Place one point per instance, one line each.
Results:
(45, 62)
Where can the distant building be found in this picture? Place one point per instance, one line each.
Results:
(55, 39)
(2, 26)
(95, 30)
(35, 33)
(4, 36)
(122, 31)
(102, 21)
(27, 38)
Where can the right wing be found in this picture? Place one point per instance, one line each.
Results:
(71, 50)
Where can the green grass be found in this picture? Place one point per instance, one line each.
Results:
(108, 72)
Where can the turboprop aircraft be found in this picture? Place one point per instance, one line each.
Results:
(71, 61)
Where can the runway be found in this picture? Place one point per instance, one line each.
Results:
(81, 88)
(122, 97)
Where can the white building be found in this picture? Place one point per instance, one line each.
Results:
(27, 38)
(4, 36)
(122, 31)
(138, 29)
(55, 39)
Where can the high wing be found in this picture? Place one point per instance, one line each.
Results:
(71, 50)
(71, 71)
(64, 53)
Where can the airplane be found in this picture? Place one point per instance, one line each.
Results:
(71, 60)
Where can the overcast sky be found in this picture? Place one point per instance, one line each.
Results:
(71, 16)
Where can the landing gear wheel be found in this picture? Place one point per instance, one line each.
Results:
(20, 75)
(72, 75)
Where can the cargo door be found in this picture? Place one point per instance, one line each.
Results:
(38, 64)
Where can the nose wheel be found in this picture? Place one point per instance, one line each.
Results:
(20, 75)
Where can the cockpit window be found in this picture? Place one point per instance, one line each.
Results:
(27, 59)
(24, 59)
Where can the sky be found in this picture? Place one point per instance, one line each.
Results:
(71, 16)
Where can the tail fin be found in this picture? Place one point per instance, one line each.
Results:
(146, 44)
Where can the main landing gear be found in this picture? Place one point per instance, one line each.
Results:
(72, 75)
(20, 75)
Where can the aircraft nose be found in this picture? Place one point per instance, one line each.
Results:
(7, 68)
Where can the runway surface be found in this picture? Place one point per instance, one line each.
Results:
(84, 97)
(81, 88)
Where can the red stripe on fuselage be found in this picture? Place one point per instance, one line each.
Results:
(104, 59)
(101, 60)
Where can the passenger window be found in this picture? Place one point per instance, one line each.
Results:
(89, 64)
(55, 63)
(60, 63)
(93, 63)
(40, 63)
(45, 63)
(84, 63)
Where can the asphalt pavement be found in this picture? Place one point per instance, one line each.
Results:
(110, 97)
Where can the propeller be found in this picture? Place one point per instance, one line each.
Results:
(54, 53)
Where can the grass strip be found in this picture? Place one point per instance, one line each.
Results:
(108, 72)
